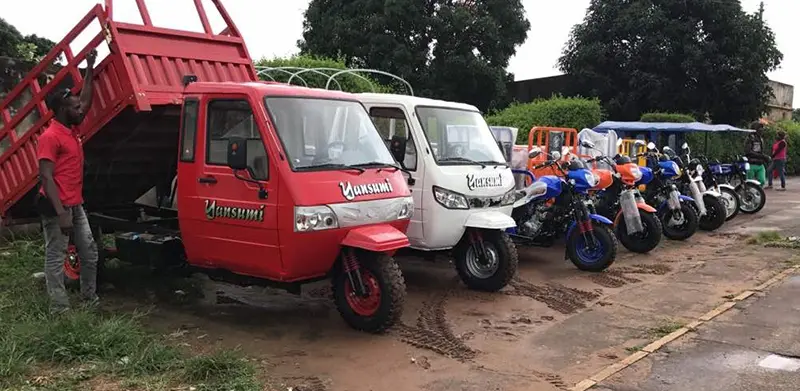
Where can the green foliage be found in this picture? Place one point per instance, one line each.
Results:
(14, 44)
(577, 113)
(796, 115)
(667, 117)
(667, 55)
(224, 370)
(453, 50)
(362, 82)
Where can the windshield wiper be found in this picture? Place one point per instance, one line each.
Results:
(376, 164)
(494, 162)
(332, 165)
(462, 159)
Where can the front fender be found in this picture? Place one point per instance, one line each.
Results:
(645, 207)
(753, 181)
(726, 186)
(712, 193)
(680, 197)
(490, 220)
(595, 217)
(377, 238)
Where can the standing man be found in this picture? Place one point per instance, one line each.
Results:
(60, 198)
(754, 151)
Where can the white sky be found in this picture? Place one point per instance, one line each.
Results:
(272, 27)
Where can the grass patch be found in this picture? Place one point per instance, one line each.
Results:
(764, 237)
(634, 349)
(664, 329)
(84, 346)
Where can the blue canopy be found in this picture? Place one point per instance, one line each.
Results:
(665, 127)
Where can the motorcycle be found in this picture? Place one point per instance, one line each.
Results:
(678, 217)
(728, 195)
(551, 206)
(752, 197)
(636, 223)
(708, 202)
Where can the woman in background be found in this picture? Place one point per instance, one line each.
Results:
(779, 160)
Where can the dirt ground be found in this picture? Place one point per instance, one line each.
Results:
(553, 327)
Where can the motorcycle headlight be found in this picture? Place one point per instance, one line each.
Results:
(591, 179)
(636, 172)
(407, 209)
(508, 198)
(747, 166)
(314, 218)
(450, 199)
(699, 169)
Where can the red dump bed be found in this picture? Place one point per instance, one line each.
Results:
(130, 134)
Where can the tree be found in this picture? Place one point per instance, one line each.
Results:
(282, 69)
(796, 115)
(449, 49)
(673, 56)
(14, 44)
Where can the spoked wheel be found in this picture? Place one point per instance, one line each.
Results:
(731, 202)
(72, 264)
(641, 242)
(715, 213)
(592, 258)
(380, 306)
(679, 224)
(486, 260)
(751, 197)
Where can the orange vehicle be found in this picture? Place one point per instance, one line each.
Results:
(552, 141)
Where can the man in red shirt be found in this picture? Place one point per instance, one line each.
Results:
(60, 199)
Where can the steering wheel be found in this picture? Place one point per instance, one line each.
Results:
(321, 159)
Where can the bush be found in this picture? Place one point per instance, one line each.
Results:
(360, 82)
(666, 117)
(792, 129)
(577, 113)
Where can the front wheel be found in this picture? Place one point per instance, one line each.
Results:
(751, 197)
(679, 224)
(592, 258)
(641, 242)
(715, 213)
(382, 304)
(731, 201)
(492, 272)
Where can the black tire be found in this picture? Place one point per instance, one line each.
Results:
(715, 213)
(685, 230)
(735, 199)
(497, 276)
(642, 242)
(392, 287)
(608, 241)
(743, 190)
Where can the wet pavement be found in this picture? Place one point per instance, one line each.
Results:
(752, 347)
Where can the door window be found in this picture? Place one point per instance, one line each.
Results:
(234, 118)
(391, 122)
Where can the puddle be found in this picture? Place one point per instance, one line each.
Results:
(781, 363)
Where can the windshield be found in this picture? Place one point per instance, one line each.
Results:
(325, 133)
(458, 136)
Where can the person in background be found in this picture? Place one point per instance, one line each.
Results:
(779, 160)
(60, 198)
(754, 151)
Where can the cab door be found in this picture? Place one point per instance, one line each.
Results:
(393, 124)
(227, 222)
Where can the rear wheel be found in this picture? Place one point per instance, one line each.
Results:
(679, 224)
(751, 197)
(588, 258)
(641, 242)
(731, 201)
(496, 270)
(382, 304)
(715, 213)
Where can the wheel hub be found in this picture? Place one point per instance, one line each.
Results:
(482, 268)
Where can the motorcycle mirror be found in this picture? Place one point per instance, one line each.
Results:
(534, 152)
(685, 146)
(666, 149)
(619, 142)
(638, 143)
(555, 155)
(651, 145)
(587, 144)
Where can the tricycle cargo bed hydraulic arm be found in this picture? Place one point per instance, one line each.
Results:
(130, 135)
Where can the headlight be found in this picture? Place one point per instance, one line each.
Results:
(699, 169)
(747, 166)
(450, 199)
(590, 178)
(508, 198)
(314, 218)
(636, 172)
(407, 209)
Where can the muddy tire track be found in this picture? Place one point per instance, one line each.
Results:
(556, 296)
(618, 277)
(553, 379)
(433, 332)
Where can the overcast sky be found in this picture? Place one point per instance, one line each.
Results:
(272, 27)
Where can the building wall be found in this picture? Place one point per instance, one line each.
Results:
(780, 106)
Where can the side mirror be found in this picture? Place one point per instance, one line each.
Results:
(685, 146)
(651, 146)
(666, 149)
(534, 152)
(638, 143)
(556, 155)
(587, 144)
(398, 148)
(619, 142)
(237, 153)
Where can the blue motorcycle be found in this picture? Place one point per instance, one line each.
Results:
(678, 216)
(553, 206)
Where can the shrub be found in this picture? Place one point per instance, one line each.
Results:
(360, 82)
(577, 113)
(667, 117)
